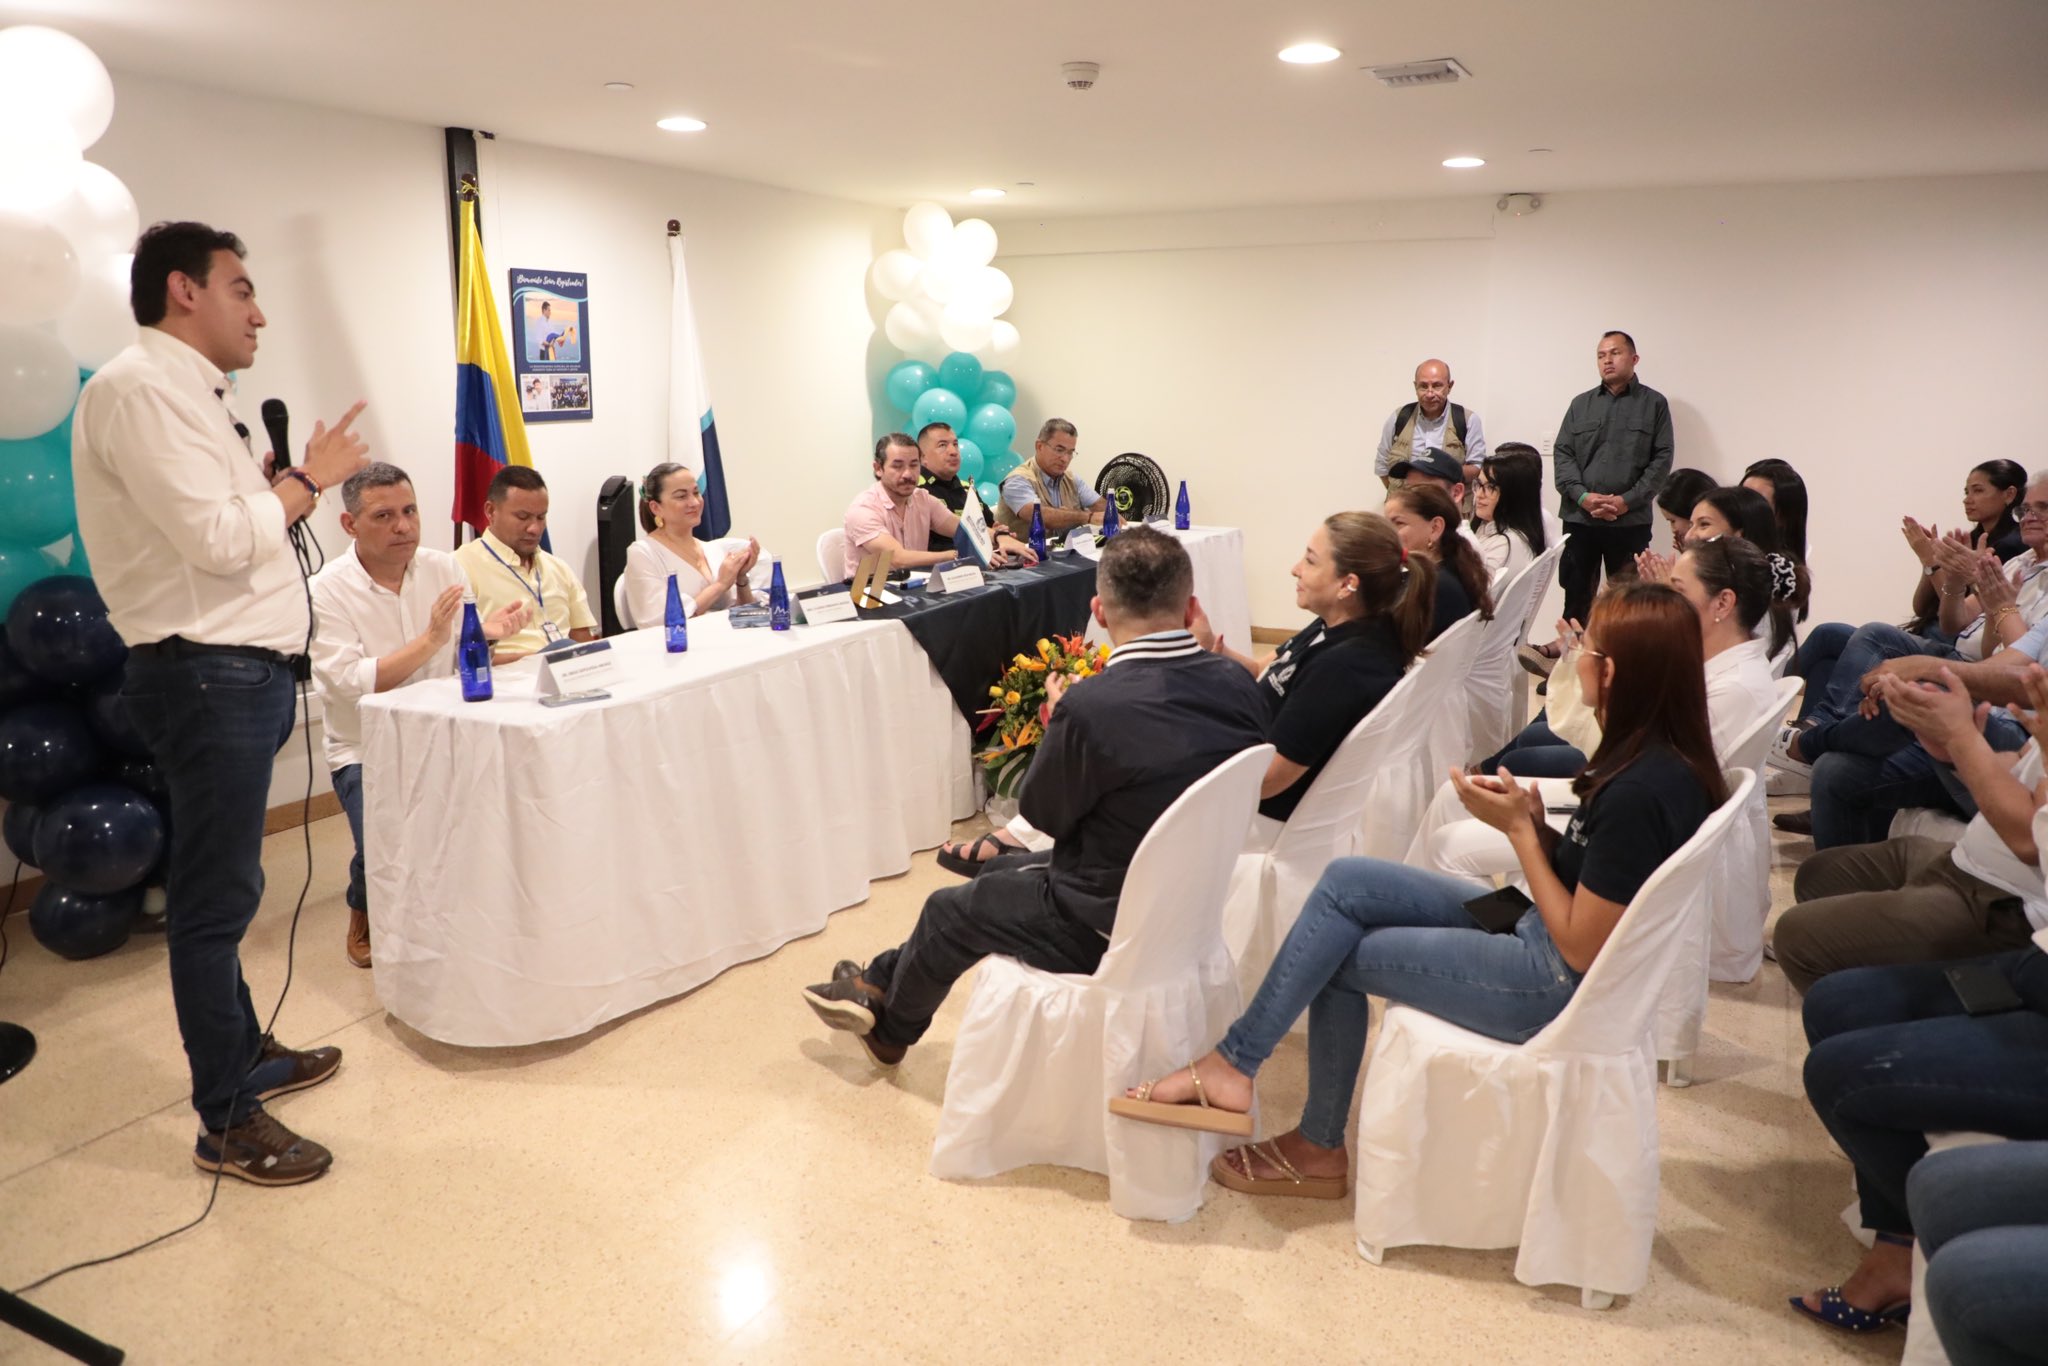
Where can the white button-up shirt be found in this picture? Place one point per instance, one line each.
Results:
(358, 622)
(185, 536)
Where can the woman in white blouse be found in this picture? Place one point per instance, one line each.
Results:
(1507, 502)
(670, 508)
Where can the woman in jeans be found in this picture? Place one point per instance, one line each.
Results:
(1377, 928)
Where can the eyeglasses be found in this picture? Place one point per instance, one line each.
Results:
(1484, 485)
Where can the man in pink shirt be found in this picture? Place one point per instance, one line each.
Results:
(898, 516)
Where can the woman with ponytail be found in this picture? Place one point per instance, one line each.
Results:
(1428, 522)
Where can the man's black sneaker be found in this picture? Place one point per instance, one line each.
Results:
(847, 1003)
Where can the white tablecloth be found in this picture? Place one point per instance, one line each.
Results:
(534, 872)
(1218, 556)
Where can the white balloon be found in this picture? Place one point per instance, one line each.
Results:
(908, 330)
(988, 289)
(38, 382)
(896, 274)
(99, 325)
(38, 270)
(941, 279)
(99, 214)
(965, 328)
(41, 68)
(927, 228)
(39, 160)
(974, 241)
(1003, 339)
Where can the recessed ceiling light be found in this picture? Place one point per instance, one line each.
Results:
(1309, 54)
(618, 87)
(1464, 163)
(680, 124)
(986, 192)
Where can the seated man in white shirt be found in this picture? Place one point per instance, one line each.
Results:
(385, 614)
(897, 516)
(506, 565)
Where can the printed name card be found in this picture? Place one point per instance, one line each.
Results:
(957, 578)
(577, 667)
(823, 607)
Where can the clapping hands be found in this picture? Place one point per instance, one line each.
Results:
(1500, 802)
(1652, 567)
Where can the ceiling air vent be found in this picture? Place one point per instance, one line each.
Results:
(1436, 71)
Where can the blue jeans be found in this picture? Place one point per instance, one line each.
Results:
(1855, 796)
(1836, 724)
(1538, 752)
(1895, 1058)
(1981, 1215)
(1815, 661)
(348, 786)
(214, 724)
(1375, 928)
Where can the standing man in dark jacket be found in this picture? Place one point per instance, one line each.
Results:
(1120, 748)
(1612, 454)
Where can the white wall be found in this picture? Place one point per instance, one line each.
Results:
(1882, 336)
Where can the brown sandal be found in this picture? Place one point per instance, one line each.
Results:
(1201, 1115)
(1238, 1176)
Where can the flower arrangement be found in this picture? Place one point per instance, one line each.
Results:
(1015, 724)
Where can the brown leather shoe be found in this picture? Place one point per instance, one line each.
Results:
(359, 938)
(262, 1152)
(279, 1071)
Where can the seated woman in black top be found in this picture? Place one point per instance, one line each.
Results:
(1378, 928)
(1428, 523)
(1373, 605)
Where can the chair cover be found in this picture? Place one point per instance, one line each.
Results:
(1945, 826)
(1742, 901)
(620, 605)
(1495, 676)
(1366, 801)
(1039, 1054)
(832, 555)
(1549, 1146)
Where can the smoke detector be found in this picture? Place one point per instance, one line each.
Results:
(1435, 71)
(1520, 204)
(1080, 75)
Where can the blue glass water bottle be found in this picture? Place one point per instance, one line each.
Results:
(1037, 533)
(473, 655)
(1110, 525)
(778, 598)
(1181, 508)
(673, 618)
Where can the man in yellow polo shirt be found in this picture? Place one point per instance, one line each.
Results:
(506, 565)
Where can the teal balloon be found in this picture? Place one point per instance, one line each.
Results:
(1000, 466)
(961, 373)
(997, 388)
(20, 566)
(36, 502)
(937, 404)
(907, 379)
(970, 462)
(991, 427)
(990, 494)
(77, 563)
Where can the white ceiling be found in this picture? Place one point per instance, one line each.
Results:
(889, 102)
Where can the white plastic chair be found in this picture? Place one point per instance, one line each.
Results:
(1039, 1054)
(619, 604)
(1495, 678)
(1366, 802)
(832, 554)
(1548, 1146)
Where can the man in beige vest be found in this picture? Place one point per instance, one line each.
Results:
(1063, 500)
(1432, 420)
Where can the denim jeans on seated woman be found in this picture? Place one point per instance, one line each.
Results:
(1538, 752)
(1981, 1215)
(1375, 928)
(1815, 661)
(1869, 646)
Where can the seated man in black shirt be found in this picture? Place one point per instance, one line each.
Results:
(938, 451)
(1120, 748)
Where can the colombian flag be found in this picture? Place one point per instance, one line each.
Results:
(490, 433)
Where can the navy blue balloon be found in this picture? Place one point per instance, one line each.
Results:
(59, 630)
(79, 924)
(46, 749)
(145, 777)
(102, 838)
(108, 715)
(18, 827)
(17, 684)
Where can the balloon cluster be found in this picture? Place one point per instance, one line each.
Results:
(85, 804)
(974, 402)
(945, 296)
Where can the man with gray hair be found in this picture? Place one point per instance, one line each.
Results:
(384, 615)
(1118, 750)
(1063, 500)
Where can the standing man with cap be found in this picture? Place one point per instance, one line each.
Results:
(187, 538)
(1432, 420)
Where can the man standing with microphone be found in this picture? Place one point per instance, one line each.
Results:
(187, 537)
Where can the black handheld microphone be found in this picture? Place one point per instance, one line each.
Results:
(274, 422)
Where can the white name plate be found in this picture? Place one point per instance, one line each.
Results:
(958, 579)
(824, 607)
(578, 667)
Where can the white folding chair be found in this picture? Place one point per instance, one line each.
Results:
(832, 555)
(1495, 679)
(619, 604)
(1039, 1054)
(1549, 1146)
(1366, 801)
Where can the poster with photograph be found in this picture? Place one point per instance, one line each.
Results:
(551, 344)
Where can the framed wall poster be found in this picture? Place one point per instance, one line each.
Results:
(551, 344)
